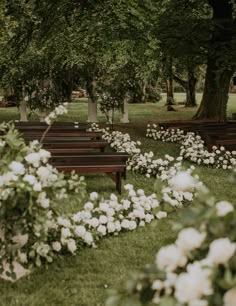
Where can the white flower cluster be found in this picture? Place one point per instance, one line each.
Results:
(165, 135)
(194, 282)
(138, 162)
(193, 149)
(59, 110)
(181, 187)
(144, 163)
(101, 217)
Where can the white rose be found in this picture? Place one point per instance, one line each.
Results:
(170, 257)
(223, 208)
(230, 297)
(33, 158)
(37, 187)
(183, 181)
(93, 196)
(102, 229)
(80, 231)
(111, 228)
(43, 172)
(71, 245)
(221, 250)
(88, 238)
(31, 179)
(161, 215)
(56, 246)
(125, 224)
(88, 206)
(103, 219)
(94, 222)
(193, 285)
(65, 232)
(44, 154)
(17, 167)
(190, 239)
(113, 197)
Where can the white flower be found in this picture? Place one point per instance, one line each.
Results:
(71, 245)
(157, 285)
(223, 208)
(128, 187)
(37, 187)
(221, 250)
(94, 222)
(102, 229)
(65, 232)
(88, 238)
(103, 219)
(80, 231)
(45, 155)
(170, 257)
(17, 167)
(56, 246)
(161, 215)
(111, 227)
(183, 181)
(33, 158)
(230, 297)
(193, 285)
(88, 206)
(31, 179)
(43, 172)
(190, 239)
(93, 196)
(22, 257)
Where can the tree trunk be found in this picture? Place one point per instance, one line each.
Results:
(125, 112)
(92, 101)
(143, 87)
(92, 110)
(23, 107)
(219, 66)
(191, 89)
(169, 91)
(215, 96)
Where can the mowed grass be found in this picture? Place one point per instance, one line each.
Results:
(83, 280)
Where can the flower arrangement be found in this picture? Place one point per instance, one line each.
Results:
(199, 267)
(193, 148)
(58, 111)
(30, 192)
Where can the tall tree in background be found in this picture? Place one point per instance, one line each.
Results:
(221, 61)
(205, 30)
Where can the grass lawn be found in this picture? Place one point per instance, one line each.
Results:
(84, 280)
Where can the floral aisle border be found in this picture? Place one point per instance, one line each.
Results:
(198, 269)
(32, 232)
(193, 149)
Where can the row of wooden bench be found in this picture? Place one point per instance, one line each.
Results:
(73, 148)
(213, 133)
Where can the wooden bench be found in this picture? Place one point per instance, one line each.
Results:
(113, 164)
(80, 144)
(66, 136)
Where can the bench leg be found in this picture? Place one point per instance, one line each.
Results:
(124, 174)
(118, 182)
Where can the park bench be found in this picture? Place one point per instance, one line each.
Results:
(112, 163)
(96, 145)
(62, 136)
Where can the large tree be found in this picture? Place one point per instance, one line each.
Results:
(204, 30)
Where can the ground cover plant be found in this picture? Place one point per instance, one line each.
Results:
(85, 279)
